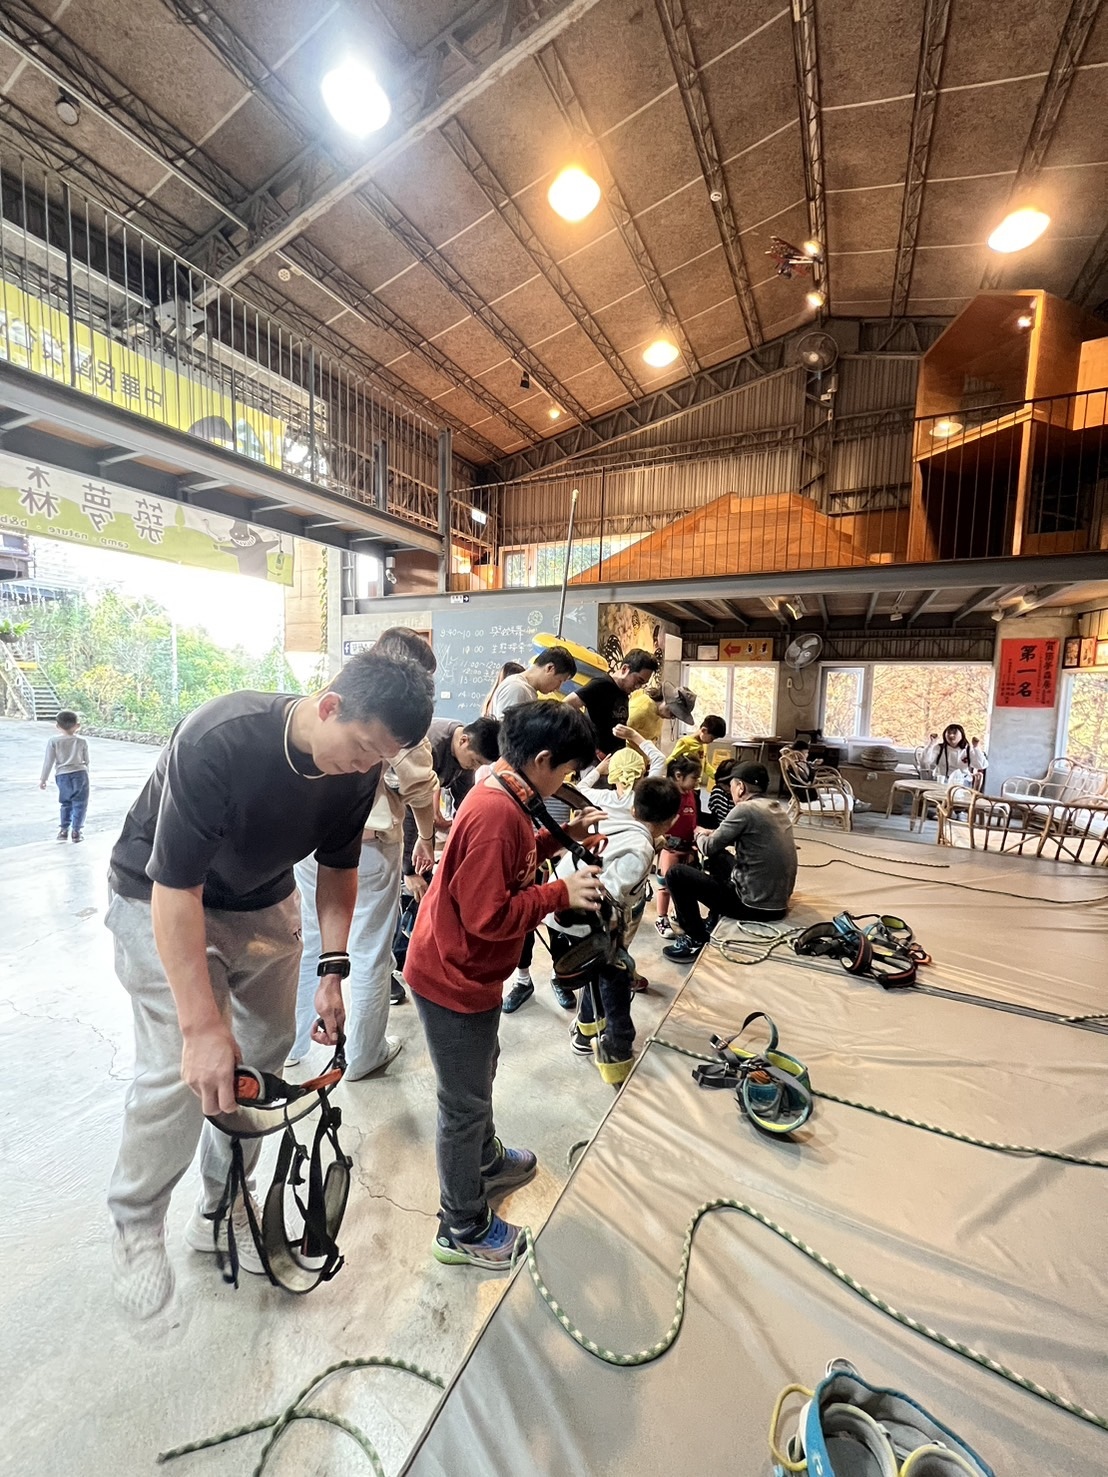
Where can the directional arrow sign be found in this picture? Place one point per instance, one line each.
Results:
(732, 650)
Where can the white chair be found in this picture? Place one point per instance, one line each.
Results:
(825, 799)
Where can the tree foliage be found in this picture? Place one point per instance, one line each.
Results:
(111, 659)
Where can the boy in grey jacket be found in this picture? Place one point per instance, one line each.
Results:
(759, 836)
(67, 755)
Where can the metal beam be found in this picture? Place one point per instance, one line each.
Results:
(686, 68)
(569, 105)
(823, 615)
(806, 56)
(509, 212)
(927, 598)
(659, 406)
(487, 42)
(1091, 273)
(871, 606)
(719, 609)
(936, 25)
(977, 601)
(737, 615)
(1063, 68)
(686, 613)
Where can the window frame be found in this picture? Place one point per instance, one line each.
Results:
(868, 668)
(774, 668)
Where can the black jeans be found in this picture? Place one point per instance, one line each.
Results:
(464, 1051)
(614, 986)
(689, 888)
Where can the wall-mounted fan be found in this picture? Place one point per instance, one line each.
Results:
(803, 651)
(816, 352)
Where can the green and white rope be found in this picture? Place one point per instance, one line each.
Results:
(655, 1351)
(295, 1411)
(1021, 1150)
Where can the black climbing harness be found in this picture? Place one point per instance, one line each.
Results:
(771, 1087)
(267, 1104)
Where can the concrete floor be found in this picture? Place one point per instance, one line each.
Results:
(86, 1393)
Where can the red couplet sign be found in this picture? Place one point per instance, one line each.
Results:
(1028, 673)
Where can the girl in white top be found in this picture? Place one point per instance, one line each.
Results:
(953, 753)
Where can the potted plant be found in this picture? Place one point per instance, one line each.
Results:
(10, 631)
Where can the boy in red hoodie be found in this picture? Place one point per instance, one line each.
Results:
(468, 935)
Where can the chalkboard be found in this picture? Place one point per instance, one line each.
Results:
(472, 642)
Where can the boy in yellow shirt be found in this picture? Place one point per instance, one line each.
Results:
(695, 746)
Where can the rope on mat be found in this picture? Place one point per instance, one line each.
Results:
(949, 1133)
(1058, 902)
(295, 1411)
(900, 861)
(655, 1351)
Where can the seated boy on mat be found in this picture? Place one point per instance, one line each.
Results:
(481, 903)
(759, 836)
(625, 867)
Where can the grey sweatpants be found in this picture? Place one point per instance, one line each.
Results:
(464, 1050)
(254, 960)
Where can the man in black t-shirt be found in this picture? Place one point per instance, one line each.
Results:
(206, 922)
(605, 699)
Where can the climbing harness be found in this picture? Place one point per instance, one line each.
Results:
(850, 1425)
(1020, 1150)
(266, 1105)
(771, 1087)
(883, 947)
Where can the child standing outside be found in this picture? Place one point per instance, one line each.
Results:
(680, 839)
(482, 902)
(67, 755)
(633, 834)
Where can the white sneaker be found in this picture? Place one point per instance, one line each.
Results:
(142, 1277)
(393, 1048)
(198, 1235)
(663, 927)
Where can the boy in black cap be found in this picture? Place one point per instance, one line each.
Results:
(760, 837)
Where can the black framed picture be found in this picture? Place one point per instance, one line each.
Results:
(1071, 652)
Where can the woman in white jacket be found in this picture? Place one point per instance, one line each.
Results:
(953, 754)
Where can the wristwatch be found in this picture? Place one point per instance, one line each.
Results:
(333, 964)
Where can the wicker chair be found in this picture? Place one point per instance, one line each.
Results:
(1065, 780)
(832, 804)
(1060, 831)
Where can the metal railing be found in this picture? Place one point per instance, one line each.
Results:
(18, 691)
(88, 300)
(1029, 478)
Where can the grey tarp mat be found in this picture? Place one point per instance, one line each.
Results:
(1006, 1254)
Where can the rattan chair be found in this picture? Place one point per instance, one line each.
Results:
(826, 799)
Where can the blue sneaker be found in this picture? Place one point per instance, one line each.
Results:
(684, 950)
(510, 1169)
(494, 1248)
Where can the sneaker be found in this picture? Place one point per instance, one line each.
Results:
(63, 834)
(513, 1167)
(580, 1043)
(142, 1277)
(518, 995)
(78, 836)
(393, 1048)
(684, 950)
(493, 1248)
(398, 989)
(198, 1235)
(565, 998)
(663, 927)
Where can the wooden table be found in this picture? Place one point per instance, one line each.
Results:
(923, 793)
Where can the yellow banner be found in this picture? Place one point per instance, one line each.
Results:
(36, 335)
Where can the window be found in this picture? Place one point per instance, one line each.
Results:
(843, 701)
(743, 694)
(528, 566)
(905, 701)
(1086, 702)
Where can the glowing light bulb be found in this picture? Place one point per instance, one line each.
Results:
(574, 194)
(661, 352)
(815, 299)
(355, 99)
(946, 428)
(1019, 230)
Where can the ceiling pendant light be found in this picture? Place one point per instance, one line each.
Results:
(815, 299)
(574, 194)
(945, 428)
(662, 352)
(1019, 229)
(355, 99)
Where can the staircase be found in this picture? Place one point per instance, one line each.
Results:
(45, 702)
(25, 689)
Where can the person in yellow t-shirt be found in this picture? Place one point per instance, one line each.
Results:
(695, 746)
(651, 708)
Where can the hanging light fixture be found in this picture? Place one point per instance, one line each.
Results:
(662, 352)
(815, 299)
(554, 413)
(574, 194)
(1019, 229)
(945, 428)
(355, 99)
